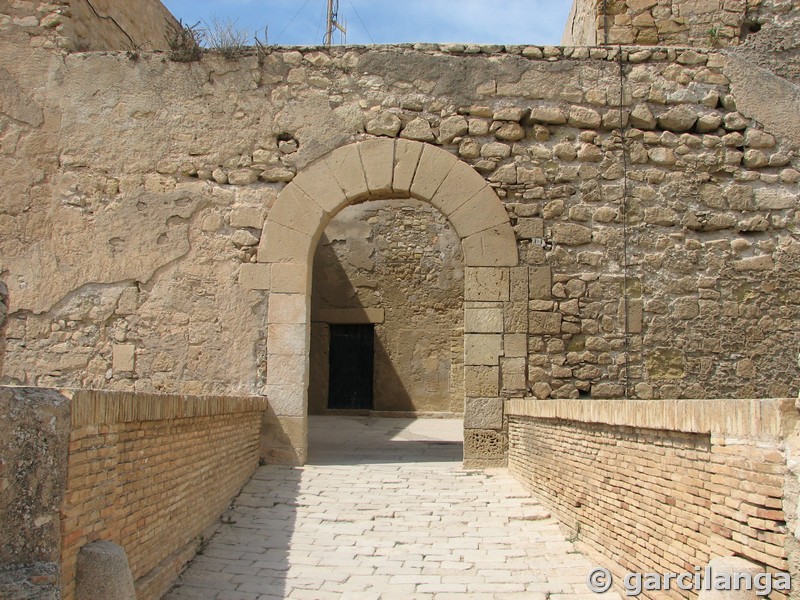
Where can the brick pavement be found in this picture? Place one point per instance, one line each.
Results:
(384, 510)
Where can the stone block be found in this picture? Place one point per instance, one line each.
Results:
(494, 247)
(287, 400)
(486, 284)
(571, 234)
(483, 413)
(281, 244)
(418, 129)
(462, 184)
(635, 315)
(680, 118)
(481, 212)
(377, 158)
(544, 323)
(255, 276)
(775, 199)
(247, 216)
(384, 123)
(434, 166)
(549, 114)
(483, 320)
(512, 380)
(284, 439)
(287, 338)
(584, 118)
(345, 164)
(286, 369)
(297, 211)
(763, 262)
(484, 443)
(406, 159)
(319, 184)
(519, 283)
(123, 357)
(35, 425)
(352, 316)
(529, 228)
(103, 573)
(288, 308)
(481, 381)
(608, 390)
(451, 128)
(515, 317)
(515, 345)
(540, 280)
(290, 278)
(482, 348)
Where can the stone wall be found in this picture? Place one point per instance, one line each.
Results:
(702, 478)
(138, 466)
(699, 23)
(130, 273)
(34, 436)
(397, 264)
(90, 25)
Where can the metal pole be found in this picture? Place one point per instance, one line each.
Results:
(329, 28)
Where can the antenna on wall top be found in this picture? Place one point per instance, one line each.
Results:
(333, 22)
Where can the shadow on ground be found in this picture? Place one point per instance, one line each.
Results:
(367, 440)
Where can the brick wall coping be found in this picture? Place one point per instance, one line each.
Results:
(769, 418)
(95, 407)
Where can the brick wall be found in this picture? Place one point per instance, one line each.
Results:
(151, 473)
(659, 486)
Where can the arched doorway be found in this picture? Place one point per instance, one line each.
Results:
(379, 169)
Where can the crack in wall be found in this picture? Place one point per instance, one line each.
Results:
(113, 20)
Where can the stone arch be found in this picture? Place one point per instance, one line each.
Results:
(375, 169)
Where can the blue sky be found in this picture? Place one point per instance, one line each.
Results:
(302, 22)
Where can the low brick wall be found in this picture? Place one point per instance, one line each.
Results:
(151, 473)
(660, 486)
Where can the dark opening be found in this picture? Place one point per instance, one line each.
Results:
(351, 366)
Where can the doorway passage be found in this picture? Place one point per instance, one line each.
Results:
(352, 367)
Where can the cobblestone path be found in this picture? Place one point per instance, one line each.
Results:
(384, 510)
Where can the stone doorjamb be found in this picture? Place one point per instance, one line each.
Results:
(378, 169)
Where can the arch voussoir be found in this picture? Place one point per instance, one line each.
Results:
(294, 209)
(377, 158)
(434, 166)
(482, 211)
(345, 164)
(281, 244)
(495, 247)
(319, 184)
(461, 184)
(406, 159)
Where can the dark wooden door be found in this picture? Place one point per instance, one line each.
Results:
(351, 366)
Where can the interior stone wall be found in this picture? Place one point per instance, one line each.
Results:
(400, 265)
